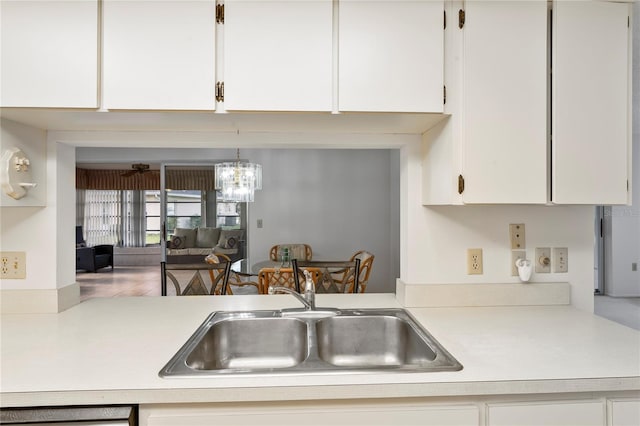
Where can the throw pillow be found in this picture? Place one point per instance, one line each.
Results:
(188, 236)
(207, 237)
(230, 239)
(177, 242)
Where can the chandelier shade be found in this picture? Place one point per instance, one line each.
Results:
(237, 181)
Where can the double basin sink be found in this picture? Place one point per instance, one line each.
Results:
(309, 341)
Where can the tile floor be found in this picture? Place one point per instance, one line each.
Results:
(122, 281)
(126, 281)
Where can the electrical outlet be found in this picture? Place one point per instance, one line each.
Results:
(560, 259)
(515, 255)
(516, 234)
(13, 265)
(474, 261)
(543, 260)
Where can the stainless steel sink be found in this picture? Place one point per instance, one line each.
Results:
(309, 342)
(251, 343)
(372, 341)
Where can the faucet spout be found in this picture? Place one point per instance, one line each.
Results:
(309, 298)
(308, 305)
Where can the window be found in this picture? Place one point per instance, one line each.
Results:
(152, 217)
(124, 218)
(184, 209)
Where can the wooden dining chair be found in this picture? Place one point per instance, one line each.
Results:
(296, 251)
(325, 282)
(283, 277)
(239, 282)
(345, 278)
(187, 279)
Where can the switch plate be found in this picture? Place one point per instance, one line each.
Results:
(543, 260)
(259, 223)
(634, 267)
(474, 261)
(515, 255)
(516, 234)
(13, 265)
(560, 259)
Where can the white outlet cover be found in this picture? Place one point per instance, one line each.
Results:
(560, 259)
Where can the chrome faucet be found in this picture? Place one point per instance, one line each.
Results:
(309, 299)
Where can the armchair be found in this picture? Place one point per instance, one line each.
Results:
(92, 258)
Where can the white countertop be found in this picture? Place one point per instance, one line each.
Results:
(109, 351)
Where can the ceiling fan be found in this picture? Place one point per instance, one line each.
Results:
(137, 169)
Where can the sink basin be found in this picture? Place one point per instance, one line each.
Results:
(250, 343)
(303, 342)
(372, 341)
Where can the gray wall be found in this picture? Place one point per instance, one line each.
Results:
(338, 201)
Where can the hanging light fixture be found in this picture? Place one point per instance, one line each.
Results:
(237, 180)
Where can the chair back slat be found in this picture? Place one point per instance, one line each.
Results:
(326, 282)
(190, 274)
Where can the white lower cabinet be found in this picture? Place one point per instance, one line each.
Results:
(543, 413)
(575, 409)
(309, 413)
(623, 412)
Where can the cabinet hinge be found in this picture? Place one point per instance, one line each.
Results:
(460, 184)
(444, 90)
(220, 91)
(220, 13)
(445, 20)
(461, 18)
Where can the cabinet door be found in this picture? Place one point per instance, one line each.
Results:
(49, 54)
(570, 413)
(390, 56)
(278, 55)
(623, 412)
(504, 118)
(380, 413)
(159, 54)
(590, 103)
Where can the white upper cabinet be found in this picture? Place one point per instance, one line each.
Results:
(278, 55)
(159, 55)
(540, 108)
(493, 148)
(49, 54)
(591, 130)
(504, 111)
(390, 55)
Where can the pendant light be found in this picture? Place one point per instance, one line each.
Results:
(238, 180)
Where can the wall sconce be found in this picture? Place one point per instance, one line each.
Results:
(15, 173)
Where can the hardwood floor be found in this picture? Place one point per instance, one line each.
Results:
(123, 281)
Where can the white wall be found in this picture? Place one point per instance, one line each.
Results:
(435, 239)
(41, 232)
(337, 201)
(623, 222)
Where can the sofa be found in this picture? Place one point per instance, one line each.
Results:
(192, 245)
